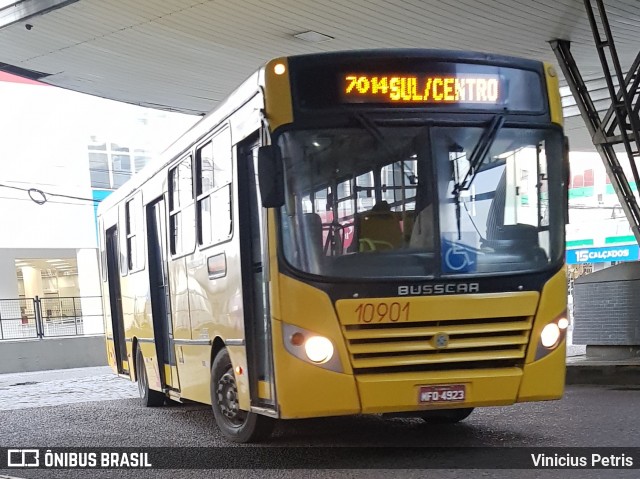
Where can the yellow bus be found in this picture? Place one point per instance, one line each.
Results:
(349, 233)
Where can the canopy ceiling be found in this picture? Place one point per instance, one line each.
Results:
(186, 55)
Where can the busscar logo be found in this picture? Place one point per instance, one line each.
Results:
(441, 340)
(438, 288)
(23, 458)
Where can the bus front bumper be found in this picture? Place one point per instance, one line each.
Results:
(402, 392)
(538, 381)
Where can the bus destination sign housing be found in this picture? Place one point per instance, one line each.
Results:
(474, 84)
(421, 88)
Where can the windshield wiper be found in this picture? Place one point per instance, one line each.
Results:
(369, 125)
(480, 152)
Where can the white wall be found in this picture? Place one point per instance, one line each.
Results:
(43, 147)
(45, 135)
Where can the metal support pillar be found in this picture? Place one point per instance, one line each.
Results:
(621, 123)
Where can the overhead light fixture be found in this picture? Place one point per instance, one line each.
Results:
(321, 141)
(313, 37)
(56, 261)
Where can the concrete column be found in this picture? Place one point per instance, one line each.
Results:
(10, 324)
(8, 277)
(32, 278)
(89, 282)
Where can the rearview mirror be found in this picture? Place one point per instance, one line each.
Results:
(567, 177)
(271, 176)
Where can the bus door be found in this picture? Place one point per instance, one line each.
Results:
(115, 300)
(159, 292)
(254, 255)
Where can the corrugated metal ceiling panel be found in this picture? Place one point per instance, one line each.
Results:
(187, 54)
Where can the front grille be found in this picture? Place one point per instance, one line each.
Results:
(473, 343)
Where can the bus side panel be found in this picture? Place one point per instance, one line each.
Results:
(278, 106)
(215, 306)
(553, 91)
(195, 379)
(304, 389)
(544, 378)
(193, 361)
(553, 303)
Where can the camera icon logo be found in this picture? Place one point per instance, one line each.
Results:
(23, 458)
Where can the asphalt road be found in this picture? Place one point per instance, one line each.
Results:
(588, 416)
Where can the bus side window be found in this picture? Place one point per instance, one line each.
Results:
(213, 189)
(135, 233)
(181, 220)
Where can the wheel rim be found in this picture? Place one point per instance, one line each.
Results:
(227, 400)
(142, 378)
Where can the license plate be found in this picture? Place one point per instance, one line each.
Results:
(445, 393)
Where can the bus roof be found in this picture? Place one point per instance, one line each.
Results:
(427, 54)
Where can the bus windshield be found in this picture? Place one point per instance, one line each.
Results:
(385, 202)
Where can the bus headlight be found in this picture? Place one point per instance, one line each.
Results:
(563, 323)
(550, 335)
(311, 347)
(319, 349)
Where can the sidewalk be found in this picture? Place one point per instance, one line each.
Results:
(621, 372)
(67, 386)
(62, 386)
(585, 370)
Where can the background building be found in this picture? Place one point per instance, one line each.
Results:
(60, 150)
(599, 234)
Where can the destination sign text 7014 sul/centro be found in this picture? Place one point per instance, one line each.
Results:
(363, 88)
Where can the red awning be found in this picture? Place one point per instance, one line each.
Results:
(8, 77)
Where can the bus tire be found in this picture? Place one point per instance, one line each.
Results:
(148, 397)
(235, 424)
(446, 416)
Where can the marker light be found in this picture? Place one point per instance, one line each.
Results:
(297, 339)
(319, 349)
(563, 323)
(279, 68)
(550, 335)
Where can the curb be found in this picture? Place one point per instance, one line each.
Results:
(603, 374)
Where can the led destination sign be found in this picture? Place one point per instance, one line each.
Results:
(377, 82)
(415, 88)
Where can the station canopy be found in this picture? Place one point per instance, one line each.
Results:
(186, 55)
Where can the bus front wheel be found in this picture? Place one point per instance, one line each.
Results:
(446, 416)
(235, 424)
(148, 397)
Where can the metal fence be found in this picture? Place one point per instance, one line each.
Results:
(49, 317)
